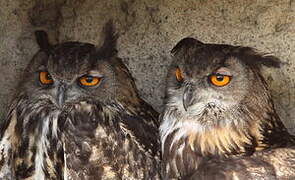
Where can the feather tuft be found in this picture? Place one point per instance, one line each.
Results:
(42, 40)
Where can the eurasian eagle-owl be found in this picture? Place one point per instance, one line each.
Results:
(78, 115)
(219, 120)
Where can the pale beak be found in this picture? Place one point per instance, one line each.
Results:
(61, 90)
(187, 98)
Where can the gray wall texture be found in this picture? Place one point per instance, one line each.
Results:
(148, 30)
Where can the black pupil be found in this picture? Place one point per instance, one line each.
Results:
(219, 77)
(48, 76)
(89, 79)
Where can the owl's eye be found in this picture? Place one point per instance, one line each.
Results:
(219, 79)
(45, 78)
(178, 75)
(88, 80)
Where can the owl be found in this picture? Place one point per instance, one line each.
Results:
(219, 121)
(78, 115)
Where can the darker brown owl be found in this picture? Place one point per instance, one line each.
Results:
(219, 120)
(78, 115)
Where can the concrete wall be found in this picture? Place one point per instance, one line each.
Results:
(148, 30)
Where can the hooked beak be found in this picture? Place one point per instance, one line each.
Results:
(60, 97)
(187, 98)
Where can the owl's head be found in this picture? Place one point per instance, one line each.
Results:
(70, 72)
(214, 82)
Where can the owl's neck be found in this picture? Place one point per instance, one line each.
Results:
(190, 144)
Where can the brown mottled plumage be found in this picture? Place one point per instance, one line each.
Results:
(83, 119)
(219, 120)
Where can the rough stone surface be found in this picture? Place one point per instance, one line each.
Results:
(148, 30)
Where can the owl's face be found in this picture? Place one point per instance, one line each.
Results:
(68, 73)
(209, 83)
(221, 83)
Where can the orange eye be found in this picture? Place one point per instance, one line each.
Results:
(178, 75)
(219, 79)
(89, 80)
(45, 78)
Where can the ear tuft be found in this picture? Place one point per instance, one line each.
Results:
(108, 48)
(42, 40)
(270, 61)
(184, 44)
(252, 56)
